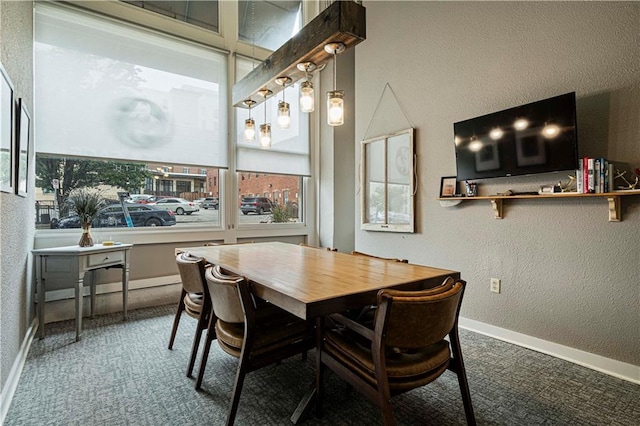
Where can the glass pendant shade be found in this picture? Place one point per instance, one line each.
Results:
(249, 129)
(265, 135)
(335, 108)
(306, 97)
(284, 117)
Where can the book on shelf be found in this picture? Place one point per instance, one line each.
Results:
(597, 175)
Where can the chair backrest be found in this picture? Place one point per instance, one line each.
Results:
(392, 259)
(227, 244)
(414, 319)
(191, 270)
(323, 248)
(224, 295)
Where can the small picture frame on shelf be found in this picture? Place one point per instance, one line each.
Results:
(448, 186)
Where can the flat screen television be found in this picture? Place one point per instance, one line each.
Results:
(539, 137)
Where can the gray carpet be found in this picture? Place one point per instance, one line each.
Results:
(122, 373)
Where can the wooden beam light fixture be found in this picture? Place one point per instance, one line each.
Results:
(342, 22)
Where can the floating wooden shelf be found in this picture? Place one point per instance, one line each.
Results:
(497, 201)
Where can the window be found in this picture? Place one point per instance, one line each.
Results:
(127, 109)
(109, 90)
(201, 13)
(270, 184)
(268, 24)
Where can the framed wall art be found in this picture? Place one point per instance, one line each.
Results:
(7, 109)
(388, 182)
(23, 145)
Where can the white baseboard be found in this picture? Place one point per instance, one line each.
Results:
(11, 384)
(621, 370)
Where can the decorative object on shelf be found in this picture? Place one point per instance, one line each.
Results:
(472, 188)
(341, 22)
(86, 203)
(628, 185)
(569, 186)
(448, 186)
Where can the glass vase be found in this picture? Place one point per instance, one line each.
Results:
(86, 240)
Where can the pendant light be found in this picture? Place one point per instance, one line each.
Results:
(335, 101)
(249, 123)
(284, 112)
(265, 128)
(307, 100)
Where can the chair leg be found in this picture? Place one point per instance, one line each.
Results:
(384, 402)
(458, 367)
(320, 368)
(237, 390)
(196, 345)
(176, 320)
(211, 334)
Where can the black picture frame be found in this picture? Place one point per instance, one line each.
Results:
(448, 186)
(23, 147)
(7, 112)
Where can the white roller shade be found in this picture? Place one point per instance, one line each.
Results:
(289, 152)
(109, 90)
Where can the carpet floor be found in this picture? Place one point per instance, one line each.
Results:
(121, 373)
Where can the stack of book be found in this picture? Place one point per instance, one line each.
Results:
(596, 175)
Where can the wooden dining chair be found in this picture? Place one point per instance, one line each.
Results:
(194, 300)
(226, 244)
(257, 334)
(325, 248)
(359, 253)
(365, 314)
(404, 350)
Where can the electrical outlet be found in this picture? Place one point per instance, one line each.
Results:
(495, 285)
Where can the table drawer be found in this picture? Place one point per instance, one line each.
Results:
(105, 259)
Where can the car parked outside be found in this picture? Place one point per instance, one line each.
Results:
(179, 206)
(139, 198)
(256, 205)
(209, 203)
(112, 217)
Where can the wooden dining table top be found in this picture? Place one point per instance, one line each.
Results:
(311, 282)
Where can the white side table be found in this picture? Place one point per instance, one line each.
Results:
(69, 264)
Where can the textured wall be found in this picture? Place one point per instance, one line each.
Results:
(568, 275)
(16, 213)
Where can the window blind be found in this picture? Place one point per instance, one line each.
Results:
(107, 89)
(289, 152)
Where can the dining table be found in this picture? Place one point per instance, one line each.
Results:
(312, 283)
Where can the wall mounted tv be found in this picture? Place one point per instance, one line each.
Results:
(539, 137)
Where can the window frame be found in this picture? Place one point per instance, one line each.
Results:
(226, 41)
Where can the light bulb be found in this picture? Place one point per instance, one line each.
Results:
(475, 145)
(306, 97)
(265, 135)
(551, 131)
(521, 124)
(249, 129)
(335, 108)
(284, 118)
(496, 133)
